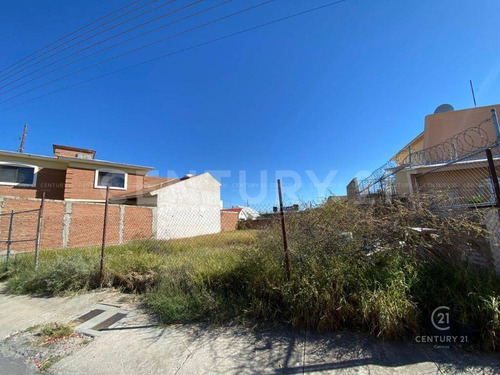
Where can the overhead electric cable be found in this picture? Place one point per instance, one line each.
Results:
(107, 48)
(84, 40)
(72, 33)
(140, 48)
(178, 52)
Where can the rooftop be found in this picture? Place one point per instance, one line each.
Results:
(67, 160)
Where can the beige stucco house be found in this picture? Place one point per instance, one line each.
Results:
(448, 135)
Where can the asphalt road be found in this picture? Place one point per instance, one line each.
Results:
(13, 366)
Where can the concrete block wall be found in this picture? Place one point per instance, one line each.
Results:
(68, 224)
(352, 189)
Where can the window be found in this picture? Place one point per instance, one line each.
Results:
(12, 174)
(111, 178)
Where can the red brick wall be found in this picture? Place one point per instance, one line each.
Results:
(138, 223)
(50, 181)
(80, 185)
(85, 223)
(25, 224)
(229, 220)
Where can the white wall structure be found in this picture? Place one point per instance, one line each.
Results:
(248, 213)
(188, 208)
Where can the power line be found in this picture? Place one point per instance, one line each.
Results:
(139, 48)
(84, 40)
(72, 33)
(180, 51)
(109, 47)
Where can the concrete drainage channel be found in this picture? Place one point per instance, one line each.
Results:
(99, 319)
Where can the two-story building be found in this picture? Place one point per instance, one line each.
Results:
(70, 174)
(74, 182)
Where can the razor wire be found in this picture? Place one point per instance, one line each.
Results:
(461, 145)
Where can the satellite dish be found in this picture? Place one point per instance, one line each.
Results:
(444, 108)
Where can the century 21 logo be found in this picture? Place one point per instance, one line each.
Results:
(440, 318)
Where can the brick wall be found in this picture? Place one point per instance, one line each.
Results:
(134, 219)
(73, 152)
(80, 185)
(72, 224)
(229, 220)
(50, 181)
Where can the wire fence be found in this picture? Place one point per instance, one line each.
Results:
(457, 181)
(465, 145)
(457, 178)
(20, 232)
(93, 229)
(295, 233)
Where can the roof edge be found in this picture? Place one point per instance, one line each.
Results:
(67, 159)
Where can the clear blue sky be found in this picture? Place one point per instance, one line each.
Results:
(341, 89)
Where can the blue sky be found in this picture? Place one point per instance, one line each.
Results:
(335, 92)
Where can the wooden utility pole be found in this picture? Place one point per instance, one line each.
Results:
(23, 138)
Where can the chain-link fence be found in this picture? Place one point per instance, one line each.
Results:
(19, 233)
(63, 228)
(456, 179)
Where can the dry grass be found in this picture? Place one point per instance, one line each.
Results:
(385, 281)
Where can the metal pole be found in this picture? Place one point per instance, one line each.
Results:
(495, 125)
(455, 150)
(283, 229)
(493, 176)
(39, 230)
(409, 156)
(9, 240)
(103, 248)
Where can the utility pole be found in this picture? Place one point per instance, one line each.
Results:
(23, 138)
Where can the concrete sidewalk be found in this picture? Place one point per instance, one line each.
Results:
(20, 312)
(196, 349)
(136, 345)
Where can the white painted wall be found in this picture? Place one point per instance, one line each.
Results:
(188, 208)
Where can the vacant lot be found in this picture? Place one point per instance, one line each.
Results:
(384, 279)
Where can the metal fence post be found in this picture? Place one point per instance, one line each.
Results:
(493, 176)
(103, 248)
(9, 239)
(495, 125)
(409, 156)
(283, 228)
(39, 230)
(455, 150)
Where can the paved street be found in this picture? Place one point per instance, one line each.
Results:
(135, 345)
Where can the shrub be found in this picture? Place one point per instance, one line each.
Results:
(72, 273)
(364, 267)
(56, 330)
